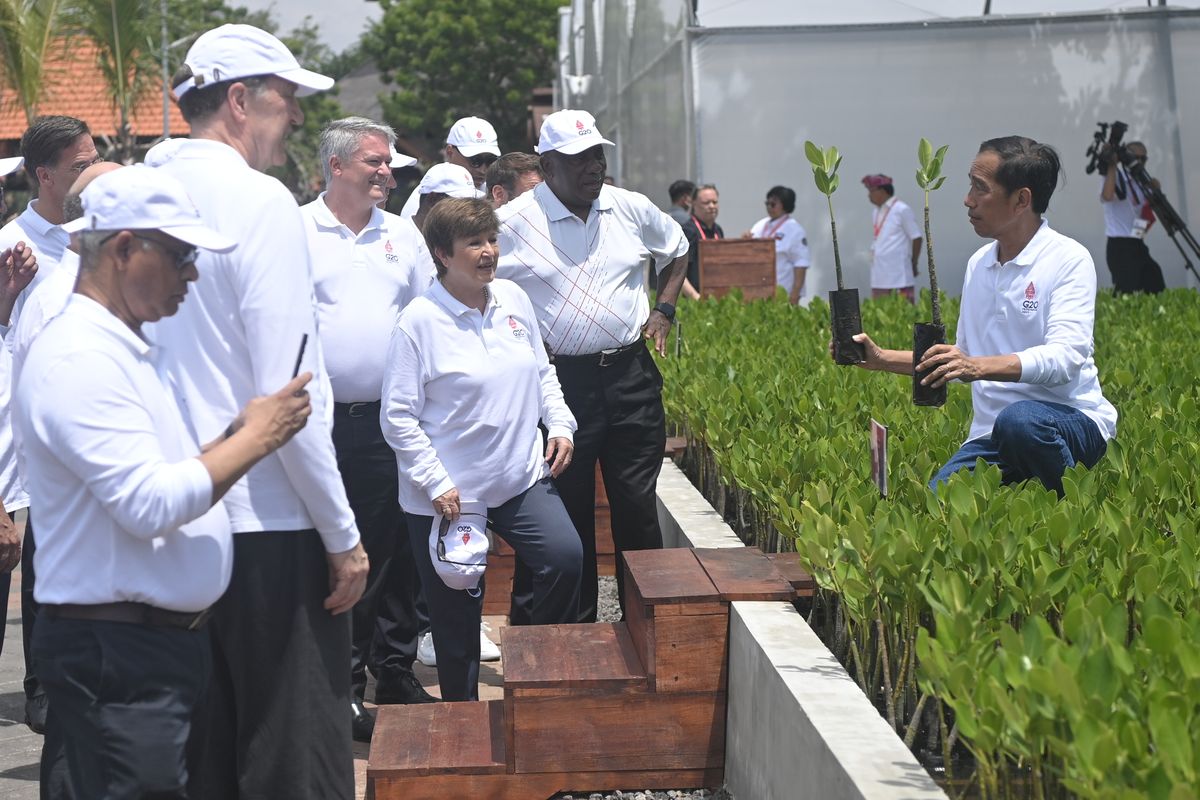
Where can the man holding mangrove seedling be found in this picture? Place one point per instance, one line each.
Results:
(1024, 338)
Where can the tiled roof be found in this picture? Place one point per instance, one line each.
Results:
(75, 87)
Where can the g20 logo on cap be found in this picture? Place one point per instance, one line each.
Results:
(580, 129)
(1031, 303)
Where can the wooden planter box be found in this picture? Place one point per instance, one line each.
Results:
(746, 264)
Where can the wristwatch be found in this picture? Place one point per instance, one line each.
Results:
(667, 310)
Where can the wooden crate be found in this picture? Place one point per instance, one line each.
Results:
(746, 264)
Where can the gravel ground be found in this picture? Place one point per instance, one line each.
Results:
(609, 611)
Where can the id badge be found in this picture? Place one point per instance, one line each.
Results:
(1139, 227)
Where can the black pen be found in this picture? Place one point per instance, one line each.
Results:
(300, 355)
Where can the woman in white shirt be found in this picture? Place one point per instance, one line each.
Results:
(467, 382)
(791, 242)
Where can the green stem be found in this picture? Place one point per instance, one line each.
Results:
(837, 258)
(933, 284)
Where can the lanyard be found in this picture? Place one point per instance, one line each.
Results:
(888, 210)
(700, 228)
(769, 231)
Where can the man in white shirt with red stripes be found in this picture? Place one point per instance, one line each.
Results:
(1024, 339)
(577, 247)
(896, 244)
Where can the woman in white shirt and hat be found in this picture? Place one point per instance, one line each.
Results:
(467, 383)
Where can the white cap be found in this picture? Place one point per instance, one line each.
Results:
(400, 161)
(141, 198)
(10, 165)
(472, 136)
(569, 132)
(448, 179)
(243, 51)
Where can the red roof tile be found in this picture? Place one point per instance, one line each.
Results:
(76, 88)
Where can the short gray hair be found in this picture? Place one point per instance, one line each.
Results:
(343, 136)
(89, 243)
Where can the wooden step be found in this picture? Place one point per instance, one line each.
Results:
(788, 565)
(539, 786)
(677, 619)
(548, 660)
(432, 739)
(617, 732)
(743, 573)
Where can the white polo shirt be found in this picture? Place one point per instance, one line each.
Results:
(1040, 306)
(45, 303)
(123, 502)
(237, 337)
(791, 248)
(49, 243)
(362, 282)
(585, 279)
(1120, 215)
(897, 228)
(462, 397)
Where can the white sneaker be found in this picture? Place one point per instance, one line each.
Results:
(488, 651)
(425, 652)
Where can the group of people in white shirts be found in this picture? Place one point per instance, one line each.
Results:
(234, 412)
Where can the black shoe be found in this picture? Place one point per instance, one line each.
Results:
(362, 724)
(404, 690)
(35, 712)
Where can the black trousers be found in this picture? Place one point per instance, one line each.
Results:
(29, 607)
(369, 472)
(275, 722)
(1132, 267)
(122, 698)
(539, 529)
(621, 424)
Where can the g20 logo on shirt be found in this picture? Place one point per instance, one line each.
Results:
(1031, 304)
(518, 331)
(388, 255)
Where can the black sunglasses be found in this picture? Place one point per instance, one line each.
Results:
(485, 160)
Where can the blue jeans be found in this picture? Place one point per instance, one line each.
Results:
(1032, 439)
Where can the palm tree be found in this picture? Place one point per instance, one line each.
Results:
(27, 29)
(123, 33)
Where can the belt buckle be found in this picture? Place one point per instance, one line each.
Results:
(199, 619)
(609, 357)
(355, 409)
(604, 356)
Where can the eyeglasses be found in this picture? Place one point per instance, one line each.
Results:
(80, 167)
(182, 259)
(483, 160)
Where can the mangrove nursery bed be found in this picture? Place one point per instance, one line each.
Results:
(1022, 645)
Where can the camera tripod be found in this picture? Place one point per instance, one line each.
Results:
(1172, 223)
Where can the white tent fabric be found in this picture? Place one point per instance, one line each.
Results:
(734, 106)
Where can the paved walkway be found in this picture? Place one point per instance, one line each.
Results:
(20, 748)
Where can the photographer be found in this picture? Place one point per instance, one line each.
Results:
(1127, 218)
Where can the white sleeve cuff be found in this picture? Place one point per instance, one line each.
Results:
(560, 432)
(340, 541)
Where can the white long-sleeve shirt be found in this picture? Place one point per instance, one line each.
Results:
(462, 397)
(1041, 306)
(585, 279)
(362, 282)
(49, 244)
(123, 502)
(238, 334)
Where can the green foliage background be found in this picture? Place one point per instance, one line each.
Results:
(454, 58)
(1058, 642)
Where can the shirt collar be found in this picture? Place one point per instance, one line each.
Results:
(554, 208)
(102, 318)
(1029, 253)
(324, 217)
(40, 225)
(456, 307)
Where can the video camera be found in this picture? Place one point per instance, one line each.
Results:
(1105, 141)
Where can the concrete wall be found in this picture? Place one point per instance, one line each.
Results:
(798, 726)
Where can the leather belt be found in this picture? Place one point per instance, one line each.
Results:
(133, 613)
(605, 358)
(357, 410)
